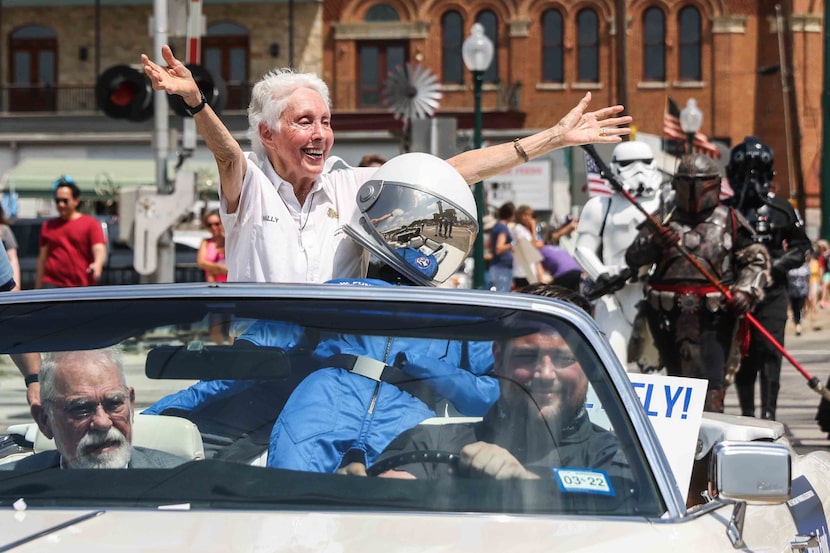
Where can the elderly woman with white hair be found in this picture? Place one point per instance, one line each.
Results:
(284, 204)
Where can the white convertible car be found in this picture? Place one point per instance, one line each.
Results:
(346, 418)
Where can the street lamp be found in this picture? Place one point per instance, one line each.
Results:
(691, 119)
(477, 52)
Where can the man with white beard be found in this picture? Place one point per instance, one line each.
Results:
(87, 407)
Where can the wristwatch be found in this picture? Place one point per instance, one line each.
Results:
(29, 379)
(191, 111)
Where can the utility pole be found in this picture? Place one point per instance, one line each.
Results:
(792, 131)
(621, 51)
(165, 252)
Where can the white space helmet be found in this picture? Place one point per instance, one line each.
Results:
(418, 215)
(634, 163)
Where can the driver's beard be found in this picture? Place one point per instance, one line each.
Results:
(117, 459)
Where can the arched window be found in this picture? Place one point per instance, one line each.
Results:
(34, 72)
(488, 20)
(452, 37)
(553, 64)
(654, 45)
(381, 12)
(689, 24)
(587, 46)
(376, 58)
(225, 52)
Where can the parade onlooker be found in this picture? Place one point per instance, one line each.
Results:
(798, 287)
(526, 269)
(822, 253)
(372, 160)
(561, 266)
(10, 243)
(564, 235)
(814, 291)
(501, 244)
(73, 248)
(211, 255)
(211, 258)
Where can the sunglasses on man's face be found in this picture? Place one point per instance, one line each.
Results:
(61, 201)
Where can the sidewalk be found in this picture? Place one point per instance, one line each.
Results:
(797, 402)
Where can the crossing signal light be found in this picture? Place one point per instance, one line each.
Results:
(123, 92)
(212, 86)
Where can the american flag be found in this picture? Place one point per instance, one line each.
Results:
(673, 131)
(597, 186)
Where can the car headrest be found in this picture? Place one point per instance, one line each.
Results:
(173, 435)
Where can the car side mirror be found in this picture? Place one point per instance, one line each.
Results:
(749, 472)
(755, 472)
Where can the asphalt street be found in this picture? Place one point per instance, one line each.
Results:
(797, 402)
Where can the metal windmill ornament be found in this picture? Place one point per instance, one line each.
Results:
(412, 92)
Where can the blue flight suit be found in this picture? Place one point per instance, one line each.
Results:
(334, 411)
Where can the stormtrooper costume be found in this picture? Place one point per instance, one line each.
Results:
(607, 226)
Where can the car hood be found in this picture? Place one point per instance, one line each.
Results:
(157, 532)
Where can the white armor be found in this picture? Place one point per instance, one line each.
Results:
(607, 226)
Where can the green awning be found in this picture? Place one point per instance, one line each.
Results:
(34, 177)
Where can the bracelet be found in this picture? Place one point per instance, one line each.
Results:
(191, 111)
(30, 379)
(520, 150)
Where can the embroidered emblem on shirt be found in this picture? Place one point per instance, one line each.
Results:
(332, 213)
(269, 219)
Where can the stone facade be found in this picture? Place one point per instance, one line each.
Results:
(125, 34)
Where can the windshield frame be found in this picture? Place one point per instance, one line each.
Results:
(410, 298)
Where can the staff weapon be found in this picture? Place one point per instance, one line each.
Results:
(615, 182)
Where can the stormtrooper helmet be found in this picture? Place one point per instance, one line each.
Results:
(417, 215)
(634, 163)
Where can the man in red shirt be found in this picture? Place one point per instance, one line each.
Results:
(73, 248)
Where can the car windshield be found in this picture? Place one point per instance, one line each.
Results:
(337, 398)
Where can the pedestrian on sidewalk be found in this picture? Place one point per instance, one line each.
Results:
(798, 288)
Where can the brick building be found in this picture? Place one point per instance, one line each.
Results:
(723, 53)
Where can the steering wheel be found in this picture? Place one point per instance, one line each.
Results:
(411, 457)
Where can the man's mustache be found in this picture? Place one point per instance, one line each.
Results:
(95, 439)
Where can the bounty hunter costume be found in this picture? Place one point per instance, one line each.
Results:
(692, 327)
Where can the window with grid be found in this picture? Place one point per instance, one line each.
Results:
(587, 46)
(553, 58)
(654, 45)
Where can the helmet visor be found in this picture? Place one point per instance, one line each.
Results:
(696, 194)
(422, 235)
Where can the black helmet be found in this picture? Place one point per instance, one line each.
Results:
(696, 184)
(750, 171)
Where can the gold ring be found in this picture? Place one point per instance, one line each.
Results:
(602, 132)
